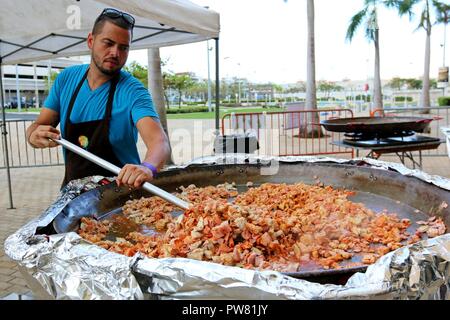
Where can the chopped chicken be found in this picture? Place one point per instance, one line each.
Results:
(273, 226)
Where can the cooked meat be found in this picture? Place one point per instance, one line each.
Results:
(274, 226)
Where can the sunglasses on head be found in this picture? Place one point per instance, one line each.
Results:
(115, 14)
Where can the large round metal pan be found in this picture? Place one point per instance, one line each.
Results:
(378, 189)
(377, 125)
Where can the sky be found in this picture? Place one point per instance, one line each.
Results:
(265, 41)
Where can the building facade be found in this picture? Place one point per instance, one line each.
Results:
(26, 85)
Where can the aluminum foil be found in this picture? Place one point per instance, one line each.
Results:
(64, 266)
(419, 271)
(439, 181)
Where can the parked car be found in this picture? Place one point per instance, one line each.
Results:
(12, 103)
(6, 105)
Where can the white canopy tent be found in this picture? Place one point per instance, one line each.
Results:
(46, 29)
(39, 30)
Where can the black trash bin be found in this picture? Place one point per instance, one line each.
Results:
(236, 143)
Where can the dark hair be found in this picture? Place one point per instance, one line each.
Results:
(100, 22)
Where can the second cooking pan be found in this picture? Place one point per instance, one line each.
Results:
(377, 125)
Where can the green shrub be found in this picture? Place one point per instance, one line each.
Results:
(359, 97)
(187, 110)
(402, 99)
(231, 105)
(196, 103)
(443, 101)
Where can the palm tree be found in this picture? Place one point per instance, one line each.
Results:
(442, 12)
(155, 84)
(311, 98)
(369, 17)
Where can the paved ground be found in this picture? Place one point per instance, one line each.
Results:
(35, 189)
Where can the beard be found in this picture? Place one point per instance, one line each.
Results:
(108, 72)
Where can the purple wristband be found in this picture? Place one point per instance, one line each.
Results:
(151, 167)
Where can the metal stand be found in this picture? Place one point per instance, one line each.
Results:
(401, 155)
(217, 112)
(410, 156)
(403, 152)
(5, 140)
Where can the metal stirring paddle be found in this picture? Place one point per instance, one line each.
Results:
(115, 169)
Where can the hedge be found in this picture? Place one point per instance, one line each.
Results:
(359, 97)
(187, 110)
(402, 99)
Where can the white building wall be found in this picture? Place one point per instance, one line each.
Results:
(27, 82)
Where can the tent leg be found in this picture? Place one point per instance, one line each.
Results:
(4, 133)
(217, 89)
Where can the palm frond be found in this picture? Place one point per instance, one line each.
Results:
(406, 7)
(442, 11)
(422, 22)
(392, 3)
(372, 24)
(355, 22)
(368, 3)
(370, 34)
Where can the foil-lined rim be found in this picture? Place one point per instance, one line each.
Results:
(67, 267)
(439, 181)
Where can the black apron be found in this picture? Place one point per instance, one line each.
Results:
(93, 136)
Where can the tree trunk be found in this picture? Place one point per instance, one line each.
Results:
(311, 99)
(155, 85)
(167, 100)
(425, 100)
(377, 93)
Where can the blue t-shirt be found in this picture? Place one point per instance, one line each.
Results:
(131, 103)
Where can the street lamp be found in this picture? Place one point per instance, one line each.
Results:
(443, 45)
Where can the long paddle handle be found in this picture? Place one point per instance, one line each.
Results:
(115, 169)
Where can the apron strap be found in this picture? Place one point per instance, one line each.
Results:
(75, 94)
(112, 90)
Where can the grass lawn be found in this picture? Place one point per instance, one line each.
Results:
(24, 110)
(193, 115)
(223, 110)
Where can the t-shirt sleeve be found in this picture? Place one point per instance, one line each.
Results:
(53, 100)
(142, 105)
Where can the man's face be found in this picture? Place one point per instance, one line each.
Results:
(109, 48)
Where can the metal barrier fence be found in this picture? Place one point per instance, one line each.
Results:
(278, 133)
(289, 133)
(21, 154)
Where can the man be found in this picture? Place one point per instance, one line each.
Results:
(102, 109)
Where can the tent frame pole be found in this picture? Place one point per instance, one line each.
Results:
(217, 89)
(5, 140)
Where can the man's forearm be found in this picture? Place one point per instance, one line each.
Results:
(158, 156)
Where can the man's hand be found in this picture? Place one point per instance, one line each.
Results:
(134, 175)
(43, 129)
(41, 135)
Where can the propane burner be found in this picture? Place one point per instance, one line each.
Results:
(363, 136)
(391, 141)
